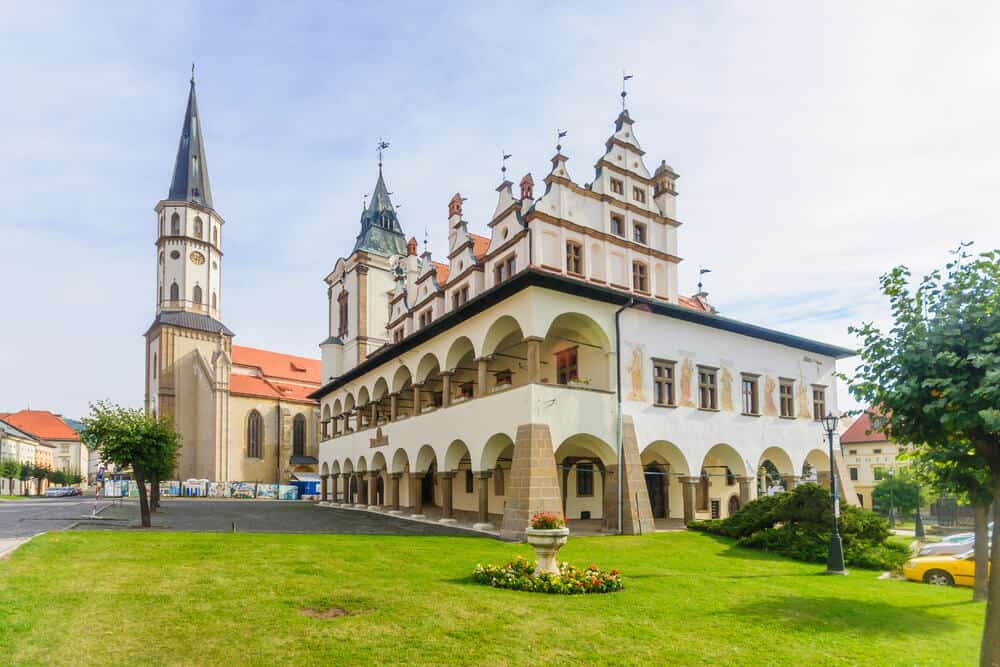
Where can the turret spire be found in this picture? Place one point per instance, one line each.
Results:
(380, 230)
(190, 182)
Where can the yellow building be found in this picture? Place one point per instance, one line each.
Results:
(869, 457)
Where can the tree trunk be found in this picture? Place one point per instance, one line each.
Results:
(989, 652)
(143, 500)
(154, 492)
(980, 590)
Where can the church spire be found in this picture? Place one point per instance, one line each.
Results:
(380, 230)
(190, 182)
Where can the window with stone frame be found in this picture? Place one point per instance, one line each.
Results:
(566, 366)
(574, 258)
(175, 292)
(663, 383)
(175, 224)
(424, 319)
(299, 435)
(639, 194)
(786, 397)
(640, 279)
(255, 433)
(708, 388)
(199, 229)
(819, 401)
(617, 224)
(853, 473)
(584, 479)
(879, 473)
(397, 335)
(505, 269)
(617, 186)
(342, 304)
(639, 232)
(460, 297)
(749, 393)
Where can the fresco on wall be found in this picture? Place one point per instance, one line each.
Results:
(687, 370)
(727, 390)
(804, 410)
(636, 392)
(770, 386)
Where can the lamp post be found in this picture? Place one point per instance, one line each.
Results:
(918, 522)
(892, 502)
(835, 559)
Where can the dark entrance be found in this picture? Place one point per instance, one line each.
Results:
(734, 505)
(427, 485)
(380, 491)
(352, 489)
(656, 486)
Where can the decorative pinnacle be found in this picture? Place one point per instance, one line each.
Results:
(625, 77)
(559, 135)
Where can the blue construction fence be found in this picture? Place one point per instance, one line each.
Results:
(203, 488)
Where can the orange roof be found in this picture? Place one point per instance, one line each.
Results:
(442, 272)
(278, 365)
(862, 431)
(694, 303)
(253, 385)
(41, 424)
(479, 245)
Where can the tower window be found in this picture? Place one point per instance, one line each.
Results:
(215, 302)
(617, 225)
(175, 224)
(198, 228)
(215, 235)
(196, 297)
(639, 232)
(639, 194)
(617, 186)
(175, 292)
(154, 366)
(342, 324)
(255, 431)
(640, 279)
(299, 436)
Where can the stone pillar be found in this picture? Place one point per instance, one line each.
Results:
(790, 481)
(323, 479)
(483, 484)
(361, 417)
(337, 477)
(393, 407)
(447, 511)
(689, 492)
(482, 365)
(394, 491)
(745, 489)
(446, 388)
(416, 495)
(823, 478)
(374, 415)
(416, 400)
(373, 490)
(534, 359)
(347, 421)
(637, 512)
(532, 484)
(360, 497)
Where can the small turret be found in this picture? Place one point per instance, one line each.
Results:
(665, 190)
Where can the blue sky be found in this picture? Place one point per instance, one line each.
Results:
(818, 145)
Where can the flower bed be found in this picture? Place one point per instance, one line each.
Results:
(519, 575)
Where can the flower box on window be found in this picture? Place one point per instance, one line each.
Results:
(504, 379)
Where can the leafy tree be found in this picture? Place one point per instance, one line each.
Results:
(935, 378)
(900, 491)
(132, 439)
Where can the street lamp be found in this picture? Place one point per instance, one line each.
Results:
(918, 522)
(835, 559)
(892, 500)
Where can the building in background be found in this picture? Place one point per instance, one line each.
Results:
(243, 414)
(58, 445)
(869, 457)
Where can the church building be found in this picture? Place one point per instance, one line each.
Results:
(243, 414)
(551, 363)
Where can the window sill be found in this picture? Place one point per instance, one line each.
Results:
(709, 409)
(664, 405)
(785, 417)
(750, 414)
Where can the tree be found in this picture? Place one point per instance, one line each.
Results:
(900, 491)
(935, 379)
(132, 438)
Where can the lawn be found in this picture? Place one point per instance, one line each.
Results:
(17, 497)
(181, 598)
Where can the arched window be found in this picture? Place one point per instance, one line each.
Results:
(160, 292)
(198, 229)
(175, 224)
(175, 292)
(215, 235)
(255, 433)
(161, 259)
(197, 294)
(215, 302)
(299, 436)
(154, 365)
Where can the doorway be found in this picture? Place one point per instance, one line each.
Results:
(656, 487)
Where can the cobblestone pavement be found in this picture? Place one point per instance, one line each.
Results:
(261, 516)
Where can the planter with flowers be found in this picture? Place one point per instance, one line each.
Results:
(547, 533)
(520, 575)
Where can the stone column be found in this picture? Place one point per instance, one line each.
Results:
(689, 490)
(323, 479)
(394, 491)
(393, 407)
(534, 359)
(446, 388)
(361, 417)
(416, 495)
(347, 421)
(532, 485)
(416, 400)
(745, 489)
(481, 375)
(374, 415)
(483, 482)
(447, 511)
(360, 497)
(337, 486)
(373, 490)
(790, 481)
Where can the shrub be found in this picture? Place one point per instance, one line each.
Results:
(519, 575)
(547, 521)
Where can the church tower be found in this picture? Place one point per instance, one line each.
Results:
(188, 349)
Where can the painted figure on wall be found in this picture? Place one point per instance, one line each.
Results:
(727, 390)
(687, 371)
(804, 410)
(636, 393)
(770, 386)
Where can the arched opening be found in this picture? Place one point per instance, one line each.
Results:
(816, 467)
(402, 383)
(721, 473)
(401, 466)
(348, 475)
(175, 292)
(196, 295)
(497, 456)
(582, 462)
(576, 352)
(507, 353)
(664, 465)
(431, 384)
(461, 362)
(775, 473)
(299, 435)
(362, 474)
(175, 224)
(380, 398)
(255, 435)
(215, 301)
(427, 467)
(215, 236)
(349, 421)
(364, 416)
(198, 228)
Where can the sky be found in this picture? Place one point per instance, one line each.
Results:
(819, 144)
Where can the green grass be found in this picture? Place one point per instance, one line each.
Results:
(182, 598)
(17, 497)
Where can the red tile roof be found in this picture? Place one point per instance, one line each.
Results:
(479, 245)
(695, 303)
(253, 385)
(862, 431)
(442, 272)
(41, 424)
(278, 365)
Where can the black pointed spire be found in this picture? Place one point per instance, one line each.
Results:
(380, 229)
(190, 182)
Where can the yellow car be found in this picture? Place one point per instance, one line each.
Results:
(957, 570)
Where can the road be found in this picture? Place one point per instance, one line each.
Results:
(24, 518)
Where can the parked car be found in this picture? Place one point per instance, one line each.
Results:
(964, 537)
(947, 548)
(957, 570)
(62, 491)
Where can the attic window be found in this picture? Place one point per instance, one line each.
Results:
(617, 186)
(297, 369)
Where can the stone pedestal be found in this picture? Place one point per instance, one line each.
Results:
(547, 543)
(790, 481)
(532, 484)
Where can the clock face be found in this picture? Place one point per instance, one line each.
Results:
(197, 258)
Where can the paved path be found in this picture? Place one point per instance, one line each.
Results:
(263, 516)
(24, 518)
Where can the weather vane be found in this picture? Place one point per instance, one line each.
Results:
(625, 77)
(366, 201)
(192, 72)
(503, 164)
(702, 271)
(382, 145)
(559, 135)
